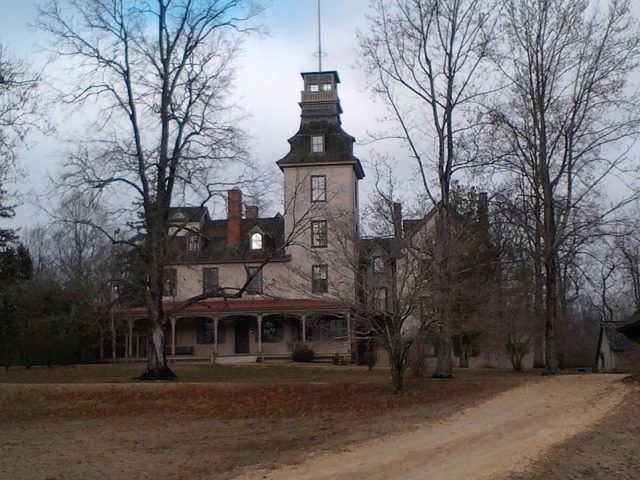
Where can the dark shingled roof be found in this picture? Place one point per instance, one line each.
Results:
(617, 341)
(214, 248)
(338, 147)
(189, 214)
(631, 327)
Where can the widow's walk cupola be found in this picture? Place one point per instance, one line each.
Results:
(320, 139)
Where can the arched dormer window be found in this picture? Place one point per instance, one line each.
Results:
(256, 241)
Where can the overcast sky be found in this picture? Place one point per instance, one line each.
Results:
(268, 82)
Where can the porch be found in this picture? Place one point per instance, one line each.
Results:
(244, 331)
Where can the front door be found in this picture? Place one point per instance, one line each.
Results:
(242, 336)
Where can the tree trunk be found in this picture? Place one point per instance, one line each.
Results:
(444, 365)
(397, 378)
(551, 358)
(538, 305)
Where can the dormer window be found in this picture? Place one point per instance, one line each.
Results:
(256, 241)
(179, 216)
(317, 143)
(193, 244)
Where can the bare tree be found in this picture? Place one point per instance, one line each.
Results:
(18, 114)
(160, 73)
(569, 106)
(426, 58)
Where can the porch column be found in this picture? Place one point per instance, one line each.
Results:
(259, 318)
(173, 336)
(101, 344)
(303, 318)
(350, 337)
(215, 335)
(137, 346)
(130, 345)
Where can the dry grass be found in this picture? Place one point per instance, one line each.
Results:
(213, 422)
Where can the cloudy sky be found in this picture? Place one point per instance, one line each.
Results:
(268, 82)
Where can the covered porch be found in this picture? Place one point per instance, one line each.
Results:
(240, 330)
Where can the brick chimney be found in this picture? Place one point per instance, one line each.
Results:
(251, 211)
(234, 216)
(397, 220)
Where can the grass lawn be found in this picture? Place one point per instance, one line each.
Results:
(85, 422)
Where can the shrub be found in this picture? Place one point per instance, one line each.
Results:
(370, 358)
(418, 358)
(338, 359)
(303, 353)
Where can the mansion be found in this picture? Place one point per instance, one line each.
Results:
(270, 284)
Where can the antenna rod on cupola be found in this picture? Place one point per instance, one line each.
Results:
(320, 53)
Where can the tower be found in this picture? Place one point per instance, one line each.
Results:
(321, 176)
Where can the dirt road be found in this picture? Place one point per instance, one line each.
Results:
(501, 435)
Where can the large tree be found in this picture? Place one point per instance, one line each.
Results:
(568, 106)
(158, 74)
(426, 59)
(18, 113)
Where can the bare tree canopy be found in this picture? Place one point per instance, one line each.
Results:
(428, 62)
(159, 72)
(18, 114)
(569, 113)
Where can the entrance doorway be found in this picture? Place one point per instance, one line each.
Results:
(242, 333)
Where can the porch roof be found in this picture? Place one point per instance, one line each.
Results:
(243, 306)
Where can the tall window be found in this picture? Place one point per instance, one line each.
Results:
(272, 330)
(318, 188)
(317, 143)
(169, 286)
(319, 233)
(209, 279)
(254, 277)
(337, 328)
(380, 298)
(256, 241)
(319, 279)
(193, 243)
(378, 265)
(206, 332)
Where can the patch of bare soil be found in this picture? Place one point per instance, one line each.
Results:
(504, 434)
(608, 450)
(212, 431)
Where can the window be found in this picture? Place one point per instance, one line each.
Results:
(326, 87)
(272, 330)
(317, 143)
(318, 188)
(378, 265)
(319, 279)
(380, 298)
(206, 332)
(314, 87)
(254, 277)
(193, 244)
(256, 241)
(337, 328)
(209, 279)
(319, 233)
(170, 283)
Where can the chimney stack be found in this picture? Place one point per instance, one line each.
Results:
(234, 216)
(397, 220)
(251, 211)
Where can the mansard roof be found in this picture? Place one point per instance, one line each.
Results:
(215, 249)
(188, 214)
(338, 147)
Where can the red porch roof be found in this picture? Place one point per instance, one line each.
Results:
(242, 305)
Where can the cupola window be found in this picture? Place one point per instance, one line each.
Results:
(317, 143)
(256, 241)
(193, 244)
